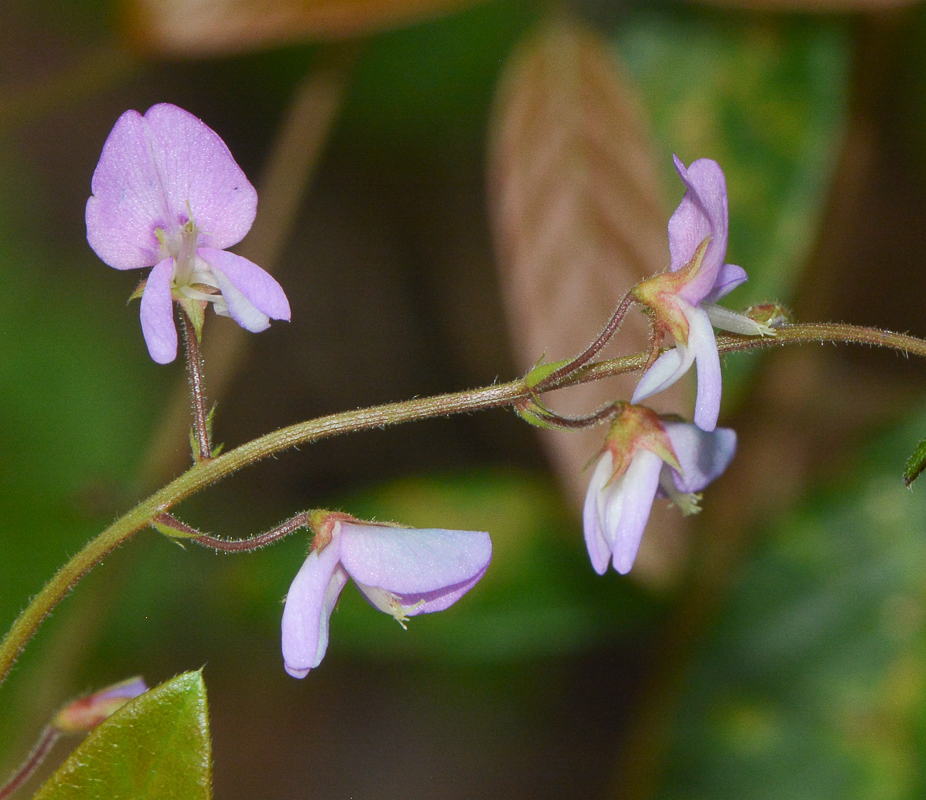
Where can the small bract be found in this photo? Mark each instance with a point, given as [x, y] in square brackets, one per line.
[168, 194]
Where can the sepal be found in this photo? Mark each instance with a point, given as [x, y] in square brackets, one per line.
[162, 524]
[139, 291]
[541, 371]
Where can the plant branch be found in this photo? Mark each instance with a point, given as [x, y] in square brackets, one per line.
[281, 531]
[207, 472]
[617, 317]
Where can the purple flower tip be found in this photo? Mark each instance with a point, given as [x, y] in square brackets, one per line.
[401, 571]
[167, 194]
[684, 299]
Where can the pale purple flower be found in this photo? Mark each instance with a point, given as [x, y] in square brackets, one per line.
[168, 194]
[651, 456]
[400, 571]
[684, 299]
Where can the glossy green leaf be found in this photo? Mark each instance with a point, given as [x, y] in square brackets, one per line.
[156, 747]
[812, 683]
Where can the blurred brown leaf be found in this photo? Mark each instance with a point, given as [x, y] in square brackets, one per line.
[214, 27]
[578, 216]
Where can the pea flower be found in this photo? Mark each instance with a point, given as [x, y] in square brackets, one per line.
[683, 300]
[168, 194]
[647, 456]
[400, 571]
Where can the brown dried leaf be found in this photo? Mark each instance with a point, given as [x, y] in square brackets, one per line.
[215, 27]
[578, 216]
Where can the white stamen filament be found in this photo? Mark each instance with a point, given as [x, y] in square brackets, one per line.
[389, 603]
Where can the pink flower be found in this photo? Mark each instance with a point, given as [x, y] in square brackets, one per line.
[683, 300]
[168, 194]
[645, 456]
[400, 571]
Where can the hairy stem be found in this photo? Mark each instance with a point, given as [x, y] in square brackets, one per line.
[281, 531]
[206, 472]
[617, 317]
[33, 761]
[194, 368]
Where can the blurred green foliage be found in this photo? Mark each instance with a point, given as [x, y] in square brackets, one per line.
[767, 98]
[812, 681]
[810, 684]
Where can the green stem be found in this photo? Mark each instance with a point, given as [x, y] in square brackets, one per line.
[205, 473]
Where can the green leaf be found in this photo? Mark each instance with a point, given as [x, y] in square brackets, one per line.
[812, 682]
[915, 464]
[156, 747]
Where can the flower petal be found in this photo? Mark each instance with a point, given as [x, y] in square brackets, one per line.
[703, 455]
[432, 565]
[702, 213]
[703, 345]
[627, 518]
[728, 278]
[728, 320]
[599, 551]
[199, 175]
[252, 295]
[666, 370]
[157, 313]
[129, 201]
[309, 603]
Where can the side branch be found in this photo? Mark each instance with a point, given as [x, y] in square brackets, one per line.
[194, 365]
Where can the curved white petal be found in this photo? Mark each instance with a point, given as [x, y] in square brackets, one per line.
[728, 320]
[157, 313]
[627, 518]
[666, 370]
[253, 297]
[239, 307]
[703, 346]
[599, 551]
[309, 603]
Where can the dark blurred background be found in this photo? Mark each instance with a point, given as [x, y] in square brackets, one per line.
[772, 647]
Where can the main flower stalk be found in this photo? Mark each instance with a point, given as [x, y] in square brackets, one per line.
[205, 473]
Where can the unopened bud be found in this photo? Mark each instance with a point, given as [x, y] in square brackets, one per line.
[86, 713]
